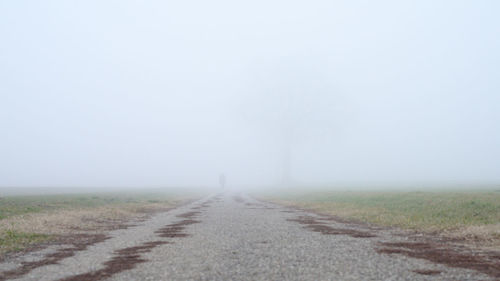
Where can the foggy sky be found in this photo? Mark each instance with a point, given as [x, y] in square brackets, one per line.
[166, 93]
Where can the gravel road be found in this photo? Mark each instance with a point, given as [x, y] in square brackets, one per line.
[235, 237]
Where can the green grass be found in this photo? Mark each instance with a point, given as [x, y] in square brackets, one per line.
[14, 241]
[18, 205]
[413, 210]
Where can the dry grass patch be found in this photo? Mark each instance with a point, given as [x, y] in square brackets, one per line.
[18, 232]
[33, 219]
[486, 236]
[65, 221]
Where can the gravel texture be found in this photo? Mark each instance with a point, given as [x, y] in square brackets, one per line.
[234, 237]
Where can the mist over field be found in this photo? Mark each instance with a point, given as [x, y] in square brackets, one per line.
[148, 94]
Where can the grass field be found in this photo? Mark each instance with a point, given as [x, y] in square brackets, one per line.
[464, 214]
[18, 205]
[26, 220]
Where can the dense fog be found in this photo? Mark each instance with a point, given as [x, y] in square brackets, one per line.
[311, 93]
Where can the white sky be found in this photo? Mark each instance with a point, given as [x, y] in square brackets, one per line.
[165, 93]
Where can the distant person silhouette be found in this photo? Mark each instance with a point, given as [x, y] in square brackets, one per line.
[222, 180]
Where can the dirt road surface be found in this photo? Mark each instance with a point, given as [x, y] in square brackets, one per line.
[234, 237]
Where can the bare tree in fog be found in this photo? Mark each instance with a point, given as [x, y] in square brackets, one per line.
[295, 104]
[288, 131]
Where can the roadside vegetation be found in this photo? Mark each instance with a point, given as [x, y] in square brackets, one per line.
[27, 220]
[470, 215]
